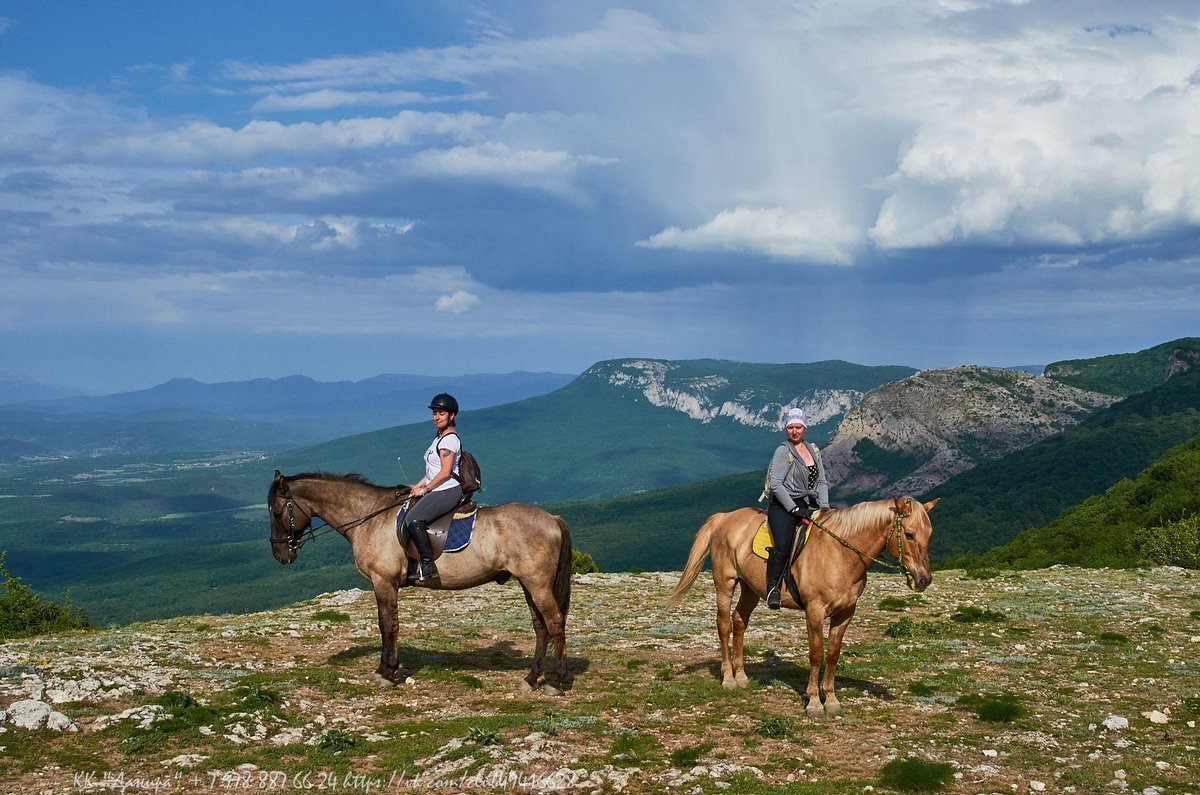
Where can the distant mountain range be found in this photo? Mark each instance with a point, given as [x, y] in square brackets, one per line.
[621, 427]
[184, 415]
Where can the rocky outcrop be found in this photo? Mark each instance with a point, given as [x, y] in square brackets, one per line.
[911, 435]
[708, 397]
[32, 715]
[1181, 360]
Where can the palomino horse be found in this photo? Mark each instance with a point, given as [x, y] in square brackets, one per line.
[831, 573]
[510, 539]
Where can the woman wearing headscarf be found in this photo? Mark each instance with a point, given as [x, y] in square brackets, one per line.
[797, 487]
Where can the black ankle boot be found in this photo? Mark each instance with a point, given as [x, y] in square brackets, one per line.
[775, 566]
[426, 570]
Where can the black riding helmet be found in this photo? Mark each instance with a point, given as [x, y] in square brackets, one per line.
[445, 402]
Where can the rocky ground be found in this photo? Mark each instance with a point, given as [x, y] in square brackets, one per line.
[1061, 680]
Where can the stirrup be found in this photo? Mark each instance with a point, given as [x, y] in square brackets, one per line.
[425, 570]
[774, 596]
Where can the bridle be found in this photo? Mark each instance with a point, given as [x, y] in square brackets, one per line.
[896, 530]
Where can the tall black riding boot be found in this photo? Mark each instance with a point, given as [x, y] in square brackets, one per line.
[419, 530]
[776, 562]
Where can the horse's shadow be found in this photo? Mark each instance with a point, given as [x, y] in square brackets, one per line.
[775, 670]
[500, 656]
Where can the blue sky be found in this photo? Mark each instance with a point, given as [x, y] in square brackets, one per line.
[229, 190]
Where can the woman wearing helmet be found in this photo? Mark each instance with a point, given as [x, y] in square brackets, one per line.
[440, 490]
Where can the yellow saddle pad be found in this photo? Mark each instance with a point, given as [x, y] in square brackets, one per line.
[762, 539]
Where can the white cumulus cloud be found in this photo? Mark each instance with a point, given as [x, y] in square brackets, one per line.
[457, 303]
[774, 231]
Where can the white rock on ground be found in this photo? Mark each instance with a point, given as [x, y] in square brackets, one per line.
[31, 714]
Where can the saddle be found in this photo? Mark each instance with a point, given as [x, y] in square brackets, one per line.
[440, 530]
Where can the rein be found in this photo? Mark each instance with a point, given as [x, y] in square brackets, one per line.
[897, 529]
[298, 540]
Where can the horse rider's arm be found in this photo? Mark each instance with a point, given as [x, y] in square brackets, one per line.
[775, 474]
[446, 459]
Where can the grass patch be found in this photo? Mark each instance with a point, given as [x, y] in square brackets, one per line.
[994, 709]
[904, 628]
[688, 757]
[663, 672]
[777, 728]
[893, 603]
[484, 736]
[634, 749]
[336, 741]
[331, 616]
[981, 574]
[921, 688]
[1113, 638]
[969, 614]
[552, 723]
[916, 775]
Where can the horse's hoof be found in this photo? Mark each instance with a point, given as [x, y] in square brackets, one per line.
[729, 684]
[551, 690]
[833, 710]
[380, 680]
[525, 687]
[815, 712]
[743, 681]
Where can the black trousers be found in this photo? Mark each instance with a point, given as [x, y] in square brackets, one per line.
[783, 525]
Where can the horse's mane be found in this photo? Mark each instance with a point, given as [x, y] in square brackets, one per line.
[853, 520]
[350, 477]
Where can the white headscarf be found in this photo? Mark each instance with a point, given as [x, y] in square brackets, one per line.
[794, 417]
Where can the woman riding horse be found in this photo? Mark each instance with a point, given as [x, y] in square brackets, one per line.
[797, 486]
[440, 490]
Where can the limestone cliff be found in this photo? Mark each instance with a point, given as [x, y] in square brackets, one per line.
[914, 434]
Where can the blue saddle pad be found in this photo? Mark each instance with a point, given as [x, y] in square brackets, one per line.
[462, 528]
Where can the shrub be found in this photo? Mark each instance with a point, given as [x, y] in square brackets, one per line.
[688, 757]
[903, 628]
[24, 613]
[1172, 544]
[583, 563]
[916, 775]
[780, 728]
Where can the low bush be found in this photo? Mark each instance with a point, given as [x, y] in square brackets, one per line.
[24, 613]
[916, 775]
[1171, 544]
[583, 563]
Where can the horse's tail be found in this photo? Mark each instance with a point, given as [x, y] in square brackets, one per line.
[700, 549]
[562, 575]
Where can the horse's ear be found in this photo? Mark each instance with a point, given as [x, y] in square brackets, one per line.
[278, 476]
[898, 504]
[929, 506]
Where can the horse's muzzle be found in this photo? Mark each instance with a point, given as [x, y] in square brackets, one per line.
[920, 580]
[283, 552]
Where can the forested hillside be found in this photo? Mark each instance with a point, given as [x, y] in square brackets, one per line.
[1127, 374]
[1152, 518]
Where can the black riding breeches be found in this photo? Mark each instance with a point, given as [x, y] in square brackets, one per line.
[433, 505]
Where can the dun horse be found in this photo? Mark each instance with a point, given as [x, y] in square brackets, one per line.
[831, 574]
[511, 539]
